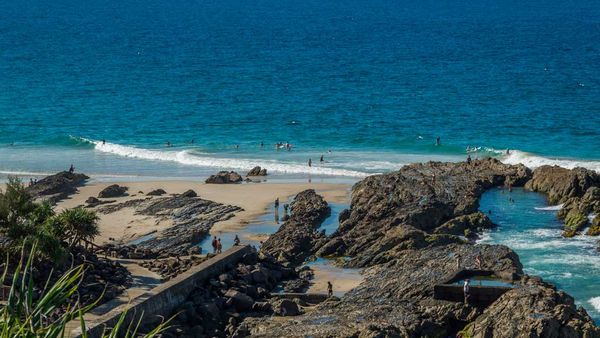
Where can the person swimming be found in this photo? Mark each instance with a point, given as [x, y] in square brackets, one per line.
[321, 160]
[310, 162]
[438, 141]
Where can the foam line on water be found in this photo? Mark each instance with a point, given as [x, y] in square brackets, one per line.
[187, 158]
[551, 208]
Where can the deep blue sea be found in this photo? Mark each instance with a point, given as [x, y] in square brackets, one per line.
[373, 82]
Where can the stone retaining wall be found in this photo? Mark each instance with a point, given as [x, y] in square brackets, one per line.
[165, 298]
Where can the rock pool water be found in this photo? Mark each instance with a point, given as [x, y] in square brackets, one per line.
[529, 226]
[343, 279]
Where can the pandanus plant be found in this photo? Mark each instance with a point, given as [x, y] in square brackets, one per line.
[30, 313]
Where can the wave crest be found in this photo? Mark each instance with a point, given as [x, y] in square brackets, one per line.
[185, 157]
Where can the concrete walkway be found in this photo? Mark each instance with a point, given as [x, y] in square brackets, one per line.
[144, 280]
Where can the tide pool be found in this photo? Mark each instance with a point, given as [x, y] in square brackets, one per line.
[530, 227]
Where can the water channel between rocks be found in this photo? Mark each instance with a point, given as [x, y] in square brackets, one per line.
[529, 226]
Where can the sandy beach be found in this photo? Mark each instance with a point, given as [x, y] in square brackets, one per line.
[254, 198]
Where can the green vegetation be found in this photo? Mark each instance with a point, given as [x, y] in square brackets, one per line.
[27, 313]
[24, 221]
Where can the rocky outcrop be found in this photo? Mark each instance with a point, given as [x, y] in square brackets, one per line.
[112, 191]
[577, 189]
[257, 171]
[419, 206]
[224, 177]
[298, 237]
[533, 310]
[397, 298]
[561, 184]
[57, 187]
[192, 219]
[217, 307]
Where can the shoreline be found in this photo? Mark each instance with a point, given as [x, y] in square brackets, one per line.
[254, 198]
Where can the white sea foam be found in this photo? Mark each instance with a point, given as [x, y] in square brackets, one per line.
[534, 161]
[591, 217]
[194, 159]
[550, 208]
[595, 302]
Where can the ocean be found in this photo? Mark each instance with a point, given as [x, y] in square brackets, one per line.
[369, 85]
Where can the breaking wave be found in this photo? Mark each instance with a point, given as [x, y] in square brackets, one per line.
[534, 161]
[186, 157]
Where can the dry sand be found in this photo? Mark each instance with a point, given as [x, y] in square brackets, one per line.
[254, 198]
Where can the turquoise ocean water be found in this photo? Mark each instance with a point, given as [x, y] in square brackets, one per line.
[529, 226]
[375, 82]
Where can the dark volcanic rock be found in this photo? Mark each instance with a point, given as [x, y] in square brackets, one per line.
[298, 237]
[94, 202]
[156, 192]
[578, 189]
[189, 193]
[113, 190]
[192, 218]
[560, 184]
[57, 187]
[403, 210]
[397, 296]
[533, 310]
[257, 171]
[224, 177]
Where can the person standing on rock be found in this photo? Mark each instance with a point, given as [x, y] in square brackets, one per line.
[329, 289]
[71, 168]
[219, 246]
[467, 290]
[469, 159]
[236, 241]
[215, 244]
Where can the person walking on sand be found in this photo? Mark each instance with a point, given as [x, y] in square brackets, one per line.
[236, 241]
[329, 289]
[215, 244]
[467, 290]
[310, 162]
[219, 246]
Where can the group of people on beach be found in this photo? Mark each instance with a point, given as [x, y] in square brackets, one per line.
[218, 246]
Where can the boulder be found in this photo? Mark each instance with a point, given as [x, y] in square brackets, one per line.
[224, 177]
[257, 171]
[113, 190]
[156, 192]
[241, 301]
[286, 307]
[189, 193]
